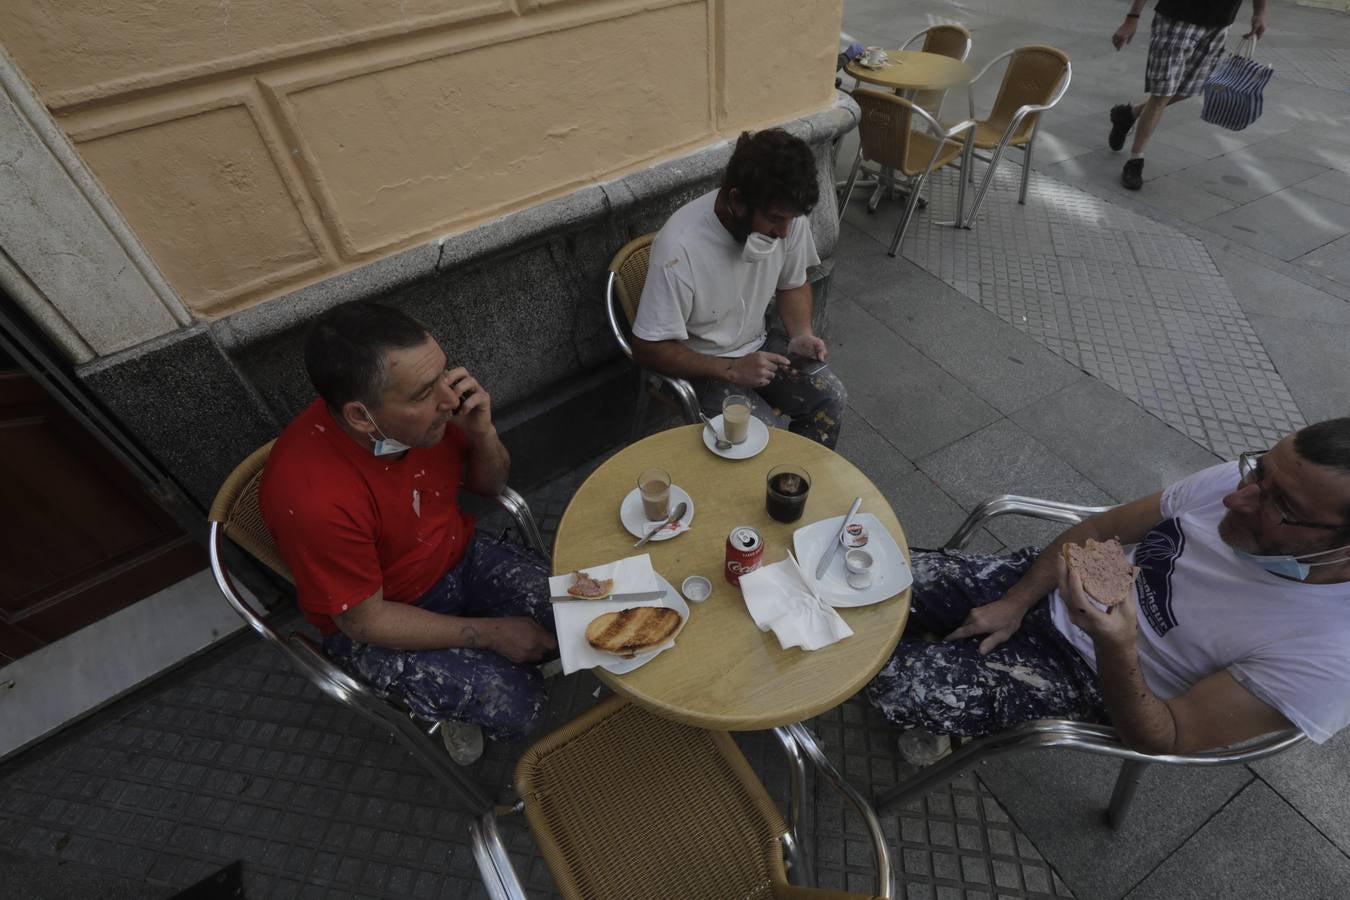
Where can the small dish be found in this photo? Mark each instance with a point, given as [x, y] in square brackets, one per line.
[635, 520]
[696, 588]
[859, 566]
[755, 441]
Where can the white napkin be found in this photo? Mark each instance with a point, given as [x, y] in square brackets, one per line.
[780, 597]
[633, 575]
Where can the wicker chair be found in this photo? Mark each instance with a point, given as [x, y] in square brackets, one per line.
[950, 40]
[625, 804]
[1035, 81]
[235, 515]
[888, 137]
[623, 292]
[1100, 740]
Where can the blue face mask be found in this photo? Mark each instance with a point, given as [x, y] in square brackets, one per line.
[1285, 566]
[383, 446]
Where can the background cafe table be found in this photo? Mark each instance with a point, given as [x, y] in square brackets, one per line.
[724, 673]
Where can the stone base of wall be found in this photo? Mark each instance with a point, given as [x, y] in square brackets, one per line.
[519, 301]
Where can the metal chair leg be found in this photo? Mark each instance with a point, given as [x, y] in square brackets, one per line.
[848, 187]
[494, 866]
[1127, 782]
[984, 185]
[640, 408]
[909, 214]
[1026, 164]
[799, 856]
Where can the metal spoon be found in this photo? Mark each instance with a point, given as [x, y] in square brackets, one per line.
[675, 516]
[722, 443]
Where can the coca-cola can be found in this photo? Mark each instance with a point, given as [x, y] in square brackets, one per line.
[745, 551]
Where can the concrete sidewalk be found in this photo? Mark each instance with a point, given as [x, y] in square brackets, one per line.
[1091, 346]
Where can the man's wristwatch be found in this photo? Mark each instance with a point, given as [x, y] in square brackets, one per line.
[1132, 15]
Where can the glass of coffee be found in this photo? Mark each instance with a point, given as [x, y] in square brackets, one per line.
[736, 418]
[787, 489]
[654, 486]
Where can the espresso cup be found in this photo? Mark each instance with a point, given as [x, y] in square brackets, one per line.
[654, 486]
[736, 418]
[874, 56]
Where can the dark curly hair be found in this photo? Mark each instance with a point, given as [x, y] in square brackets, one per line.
[347, 348]
[772, 168]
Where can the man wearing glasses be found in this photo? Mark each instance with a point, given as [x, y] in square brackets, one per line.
[1240, 623]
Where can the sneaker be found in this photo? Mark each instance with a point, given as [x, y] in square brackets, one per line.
[1122, 120]
[1132, 176]
[463, 741]
[923, 748]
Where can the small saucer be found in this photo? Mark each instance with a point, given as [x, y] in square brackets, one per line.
[756, 439]
[637, 523]
[696, 588]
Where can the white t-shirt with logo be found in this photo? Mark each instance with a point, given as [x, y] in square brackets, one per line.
[700, 292]
[1202, 609]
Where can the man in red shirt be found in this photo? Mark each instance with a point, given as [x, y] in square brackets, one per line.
[360, 493]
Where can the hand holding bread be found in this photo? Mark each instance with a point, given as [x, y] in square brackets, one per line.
[1093, 575]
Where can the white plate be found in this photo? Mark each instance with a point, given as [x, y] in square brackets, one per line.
[756, 439]
[672, 600]
[890, 574]
[637, 523]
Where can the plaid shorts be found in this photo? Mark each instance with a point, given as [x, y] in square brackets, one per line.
[1180, 56]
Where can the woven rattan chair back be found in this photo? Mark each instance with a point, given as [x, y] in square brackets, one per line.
[236, 509]
[1032, 75]
[948, 39]
[884, 127]
[630, 267]
[623, 804]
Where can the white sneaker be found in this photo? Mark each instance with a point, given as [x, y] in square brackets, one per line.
[923, 748]
[463, 741]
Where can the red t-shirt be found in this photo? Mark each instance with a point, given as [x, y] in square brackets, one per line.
[349, 523]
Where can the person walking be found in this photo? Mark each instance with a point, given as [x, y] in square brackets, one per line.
[1186, 42]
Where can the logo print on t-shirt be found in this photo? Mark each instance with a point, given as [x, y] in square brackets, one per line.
[1156, 556]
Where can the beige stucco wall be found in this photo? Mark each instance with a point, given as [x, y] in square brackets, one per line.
[258, 146]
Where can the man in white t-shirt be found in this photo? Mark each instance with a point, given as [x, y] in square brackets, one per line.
[1240, 624]
[715, 266]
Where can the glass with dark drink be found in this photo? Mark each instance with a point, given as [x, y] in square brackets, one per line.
[787, 489]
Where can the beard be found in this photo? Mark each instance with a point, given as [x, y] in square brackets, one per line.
[740, 227]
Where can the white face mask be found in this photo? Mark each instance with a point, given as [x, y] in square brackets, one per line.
[1291, 566]
[758, 247]
[383, 446]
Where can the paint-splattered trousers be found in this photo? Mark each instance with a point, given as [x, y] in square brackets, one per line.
[495, 578]
[948, 687]
[812, 404]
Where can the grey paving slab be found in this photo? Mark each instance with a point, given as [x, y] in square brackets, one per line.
[1332, 184]
[1264, 292]
[1314, 362]
[1303, 776]
[1004, 367]
[1060, 797]
[1101, 168]
[929, 516]
[866, 448]
[904, 395]
[1177, 194]
[1286, 224]
[1284, 856]
[1004, 459]
[1124, 450]
[1330, 260]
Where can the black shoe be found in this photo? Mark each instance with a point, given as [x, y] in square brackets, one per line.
[1132, 176]
[1122, 120]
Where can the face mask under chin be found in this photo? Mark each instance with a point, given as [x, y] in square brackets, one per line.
[381, 444]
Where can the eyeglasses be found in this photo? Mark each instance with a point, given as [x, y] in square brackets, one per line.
[1252, 472]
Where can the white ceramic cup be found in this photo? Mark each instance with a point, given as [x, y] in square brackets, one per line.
[874, 56]
[859, 566]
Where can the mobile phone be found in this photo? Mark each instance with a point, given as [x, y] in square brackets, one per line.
[805, 364]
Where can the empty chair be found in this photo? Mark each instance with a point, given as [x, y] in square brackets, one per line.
[888, 137]
[623, 292]
[948, 39]
[1035, 80]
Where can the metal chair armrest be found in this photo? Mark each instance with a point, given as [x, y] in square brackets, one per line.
[614, 326]
[684, 392]
[494, 865]
[1014, 505]
[513, 503]
[989, 65]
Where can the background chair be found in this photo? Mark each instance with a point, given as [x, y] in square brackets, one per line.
[887, 137]
[1035, 80]
[625, 804]
[623, 292]
[947, 39]
[1100, 740]
[235, 515]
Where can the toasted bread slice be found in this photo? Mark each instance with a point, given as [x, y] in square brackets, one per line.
[1102, 566]
[631, 631]
[588, 588]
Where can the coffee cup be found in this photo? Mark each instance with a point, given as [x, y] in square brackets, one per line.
[736, 418]
[858, 563]
[654, 486]
[874, 56]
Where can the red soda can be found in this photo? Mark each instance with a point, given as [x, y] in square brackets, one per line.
[745, 551]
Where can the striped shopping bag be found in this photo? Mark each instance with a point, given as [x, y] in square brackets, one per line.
[1233, 89]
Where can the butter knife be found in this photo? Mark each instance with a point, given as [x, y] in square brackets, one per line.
[831, 550]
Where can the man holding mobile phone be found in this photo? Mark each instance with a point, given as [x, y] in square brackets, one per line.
[714, 268]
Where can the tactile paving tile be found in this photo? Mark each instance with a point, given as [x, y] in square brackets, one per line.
[1131, 301]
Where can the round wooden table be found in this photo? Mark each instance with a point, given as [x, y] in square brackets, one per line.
[914, 70]
[723, 672]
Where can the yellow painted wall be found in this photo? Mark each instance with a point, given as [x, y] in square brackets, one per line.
[257, 146]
